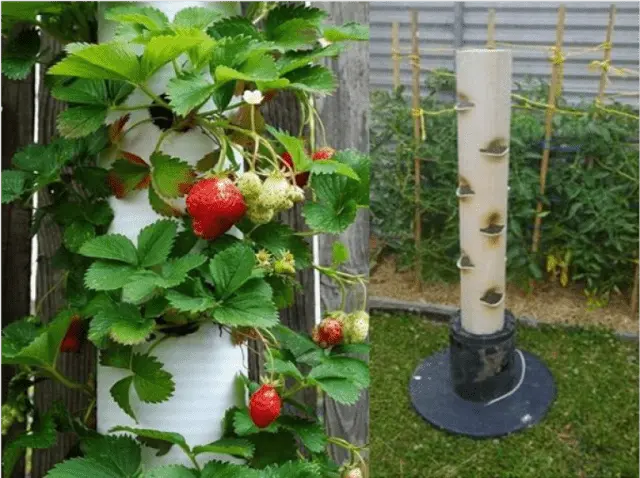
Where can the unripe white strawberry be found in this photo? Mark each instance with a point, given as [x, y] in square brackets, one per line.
[275, 193]
[260, 215]
[339, 315]
[296, 194]
[285, 265]
[352, 473]
[357, 327]
[249, 185]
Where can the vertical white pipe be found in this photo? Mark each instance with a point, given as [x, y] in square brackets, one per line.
[204, 365]
[484, 86]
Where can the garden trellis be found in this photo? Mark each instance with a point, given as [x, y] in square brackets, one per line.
[557, 57]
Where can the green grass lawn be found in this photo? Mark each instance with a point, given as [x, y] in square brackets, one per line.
[591, 430]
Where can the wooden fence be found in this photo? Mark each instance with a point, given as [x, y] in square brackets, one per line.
[346, 117]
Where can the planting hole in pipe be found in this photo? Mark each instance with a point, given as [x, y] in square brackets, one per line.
[464, 190]
[493, 297]
[464, 262]
[463, 104]
[494, 225]
[164, 118]
[496, 148]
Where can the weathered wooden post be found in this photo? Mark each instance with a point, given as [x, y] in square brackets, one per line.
[482, 385]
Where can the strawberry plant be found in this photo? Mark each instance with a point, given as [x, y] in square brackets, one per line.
[209, 249]
[590, 205]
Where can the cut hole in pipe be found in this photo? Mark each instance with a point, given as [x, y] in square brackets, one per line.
[164, 118]
[494, 224]
[463, 104]
[496, 148]
[493, 297]
[464, 190]
[464, 262]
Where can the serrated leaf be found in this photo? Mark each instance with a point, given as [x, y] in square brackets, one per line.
[13, 185]
[81, 121]
[231, 268]
[107, 275]
[18, 334]
[82, 468]
[120, 392]
[175, 271]
[152, 383]
[150, 18]
[361, 164]
[120, 453]
[353, 369]
[196, 17]
[314, 79]
[285, 12]
[334, 208]
[188, 92]
[92, 92]
[185, 303]
[76, 234]
[297, 343]
[311, 434]
[171, 177]
[171, 471]
[105, 61]
[295, 147]
[286, 368]
[20, 54]
[155, 242]
[233, 27]
[277, 238]
[258, 67]
[227, 446]
[128, 172]
[340, 389]
[339, 254]
[161, 206]
[329, 166]
[112, 246]
[293, 60]
[243, 425]
[141, 287]
[169, 437]
[251, 305]
[351, 31]
[217, 469]
[116, 355]
[162, 49]
[122, 323]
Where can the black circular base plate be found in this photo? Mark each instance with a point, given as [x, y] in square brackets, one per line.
[434, 399]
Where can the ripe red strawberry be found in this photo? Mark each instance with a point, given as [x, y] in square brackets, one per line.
[303, 178]
[265, 406]
[215, 204]
[329, 332]
[72, 340]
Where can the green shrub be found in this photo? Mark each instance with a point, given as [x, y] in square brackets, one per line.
[590, 223]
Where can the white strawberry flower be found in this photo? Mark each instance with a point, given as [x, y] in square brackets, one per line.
[252, 97]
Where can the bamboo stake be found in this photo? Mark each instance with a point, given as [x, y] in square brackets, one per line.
[395, 54]
[634, 294]
[607, 53]
[491, 29]
[556, 80]
[415, 64]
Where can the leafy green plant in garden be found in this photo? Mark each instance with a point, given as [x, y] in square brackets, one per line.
[183, 271]
[590, 205]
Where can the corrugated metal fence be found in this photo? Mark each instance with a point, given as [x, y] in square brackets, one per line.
[464, 24]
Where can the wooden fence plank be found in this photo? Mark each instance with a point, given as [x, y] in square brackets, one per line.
[18, 110]
[346, 119]
[79, 366]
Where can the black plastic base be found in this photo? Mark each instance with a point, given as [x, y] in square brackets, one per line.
[434, 398]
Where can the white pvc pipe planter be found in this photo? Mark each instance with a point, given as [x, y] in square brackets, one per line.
[204, 365]
[484, 115]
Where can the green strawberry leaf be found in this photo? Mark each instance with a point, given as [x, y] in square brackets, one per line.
[122, 323]
[196, 17]
[296, 343]
[311, 434]
[293, 60]
[185, 303]
[111, 246]
[81, 121]
[162, 207]
[17, 335]
[171, 177]
[20, 54]
[234, 27]
[188, 92]
[351, 31]
[295, 147]
[288, 369]
[277, 238]
[171, 471]
[243, 425]
[82, 467]
[313, 79]
[120, 453]
[361, 164]
[334, 208]
[120, 392]
[76, 234]
[162, 49]
[141, 287]
[152, 383]
[128, 172]
[232, 268]
[251, 305]
[329, 166]
[155, 242]
[339, 254]
[227, 446]
[105, 61]
[14, 185]
[93, 92]
[168, 437]
[349, 368]
[175, 271]
[103, 275]
[148, 17]
[258, 67]
[341, 390]
[217, 469]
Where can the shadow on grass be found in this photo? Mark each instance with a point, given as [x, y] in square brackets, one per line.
[591, 430]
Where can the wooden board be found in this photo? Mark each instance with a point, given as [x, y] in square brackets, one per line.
[345, 115]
